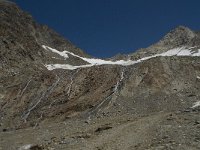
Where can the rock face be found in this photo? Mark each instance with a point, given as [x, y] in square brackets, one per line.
[32, 95]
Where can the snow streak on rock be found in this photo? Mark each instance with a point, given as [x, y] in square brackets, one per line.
[183, 51]
[43, 96]
[71, 83]
[25, 88]
[108, 99]
[119, 81]
[197, 104]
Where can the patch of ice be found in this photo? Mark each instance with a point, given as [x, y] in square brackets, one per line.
[182, 51]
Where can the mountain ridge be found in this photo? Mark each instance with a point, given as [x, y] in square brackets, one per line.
[145, 100]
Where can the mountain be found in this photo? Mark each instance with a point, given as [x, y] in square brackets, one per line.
[55, 96]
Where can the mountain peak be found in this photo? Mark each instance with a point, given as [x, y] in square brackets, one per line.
[181, 27]
[7, 2]
[182, 31]
[178, 37]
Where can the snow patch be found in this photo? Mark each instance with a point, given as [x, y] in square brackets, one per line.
[182, 51]
[196, 54]
[65, 66]
[26, 147]
[197, 104]
[171, 52]
[63, 54]
[198, 77]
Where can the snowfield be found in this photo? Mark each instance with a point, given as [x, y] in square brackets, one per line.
[182, 51]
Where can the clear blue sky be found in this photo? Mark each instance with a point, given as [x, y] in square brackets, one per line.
[104, 28]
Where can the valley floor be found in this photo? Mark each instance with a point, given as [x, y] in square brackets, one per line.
[159, 131]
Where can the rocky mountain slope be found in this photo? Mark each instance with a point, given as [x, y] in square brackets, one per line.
[54, 96]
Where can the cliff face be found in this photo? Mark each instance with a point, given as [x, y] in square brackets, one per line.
[46, 79]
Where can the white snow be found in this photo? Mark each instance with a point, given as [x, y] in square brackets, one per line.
[66, 66]
[171, 52]
[197, 104]
[26, 147]
[119, 81]
[182, 51]
[196, 54]
[63, 54]
[25, 88]
[198, 77]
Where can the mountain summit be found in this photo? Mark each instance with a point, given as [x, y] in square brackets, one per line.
[179, 36]
[55, 96]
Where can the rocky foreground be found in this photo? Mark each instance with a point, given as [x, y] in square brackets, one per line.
[55, 96]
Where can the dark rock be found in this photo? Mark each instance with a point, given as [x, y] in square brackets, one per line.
[5, 130]
[196, 122]
[103, 128]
